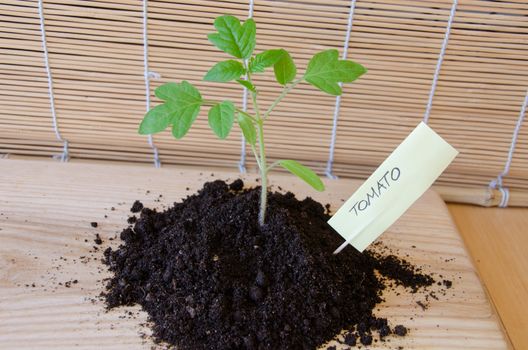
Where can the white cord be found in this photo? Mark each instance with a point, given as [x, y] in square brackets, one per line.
[505, 197]
[242, 162]
[330, 162]
[497, 182]
[64, 156]
[148, 75]
[439, 62]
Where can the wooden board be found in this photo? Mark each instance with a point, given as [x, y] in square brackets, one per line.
[497, 240]
[45, 214]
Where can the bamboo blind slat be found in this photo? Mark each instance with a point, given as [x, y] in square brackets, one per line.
[96, 58]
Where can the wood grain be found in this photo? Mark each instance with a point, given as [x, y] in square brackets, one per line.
[46, 210]
[497, 241]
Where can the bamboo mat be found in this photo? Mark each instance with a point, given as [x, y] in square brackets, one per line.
[45, 215]
[96, 60]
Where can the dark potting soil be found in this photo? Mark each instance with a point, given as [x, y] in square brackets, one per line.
[136, 207]
[211, 278]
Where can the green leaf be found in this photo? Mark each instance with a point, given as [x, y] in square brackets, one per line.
[156, 120]
[246, 84]
[183, 101]
[303, 173]
[248, 129]
[233, 38]
[221, 117]
[264, 60]
[325, 71]
[163, 92]
[284, 68]
[225, 71]
[181, 107]
[181, 93]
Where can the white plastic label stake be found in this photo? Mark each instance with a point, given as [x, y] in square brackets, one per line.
[397, 183]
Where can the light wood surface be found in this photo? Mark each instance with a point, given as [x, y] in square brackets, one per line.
[46, 210]
[497, 240]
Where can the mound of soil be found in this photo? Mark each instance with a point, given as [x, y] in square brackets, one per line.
[211, 278]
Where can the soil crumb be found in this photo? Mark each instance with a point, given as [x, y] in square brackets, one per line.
[136, 207]
[210, 277]
[400, 330]
[98, 239]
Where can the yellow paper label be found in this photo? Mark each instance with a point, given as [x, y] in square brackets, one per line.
[397, 183]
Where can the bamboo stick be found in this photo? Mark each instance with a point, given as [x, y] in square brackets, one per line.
[485, 197]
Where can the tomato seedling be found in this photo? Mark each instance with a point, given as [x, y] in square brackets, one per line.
[182, 101]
